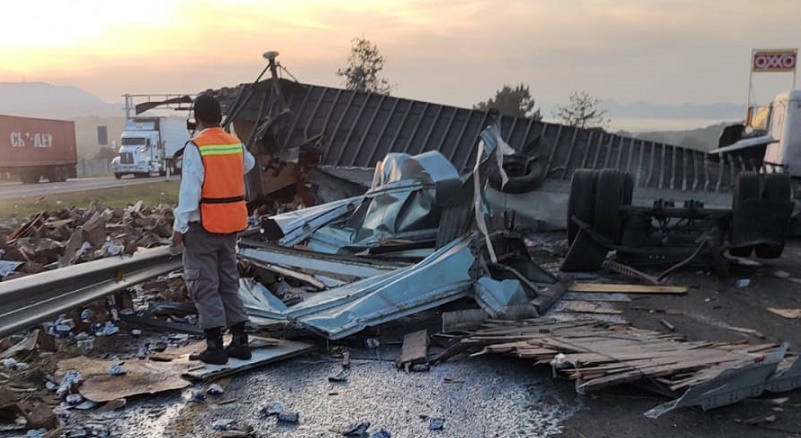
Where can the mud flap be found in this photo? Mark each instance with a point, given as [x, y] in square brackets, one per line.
[586, 254]
[759, 221]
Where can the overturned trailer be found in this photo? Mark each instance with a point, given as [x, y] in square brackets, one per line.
[319, 144]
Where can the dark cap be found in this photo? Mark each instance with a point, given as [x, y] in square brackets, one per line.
[207, 109]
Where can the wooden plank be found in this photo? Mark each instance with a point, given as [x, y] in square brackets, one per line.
[414, 349]
[626, 288]
[588, 307]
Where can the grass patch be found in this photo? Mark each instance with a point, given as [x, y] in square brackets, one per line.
[152, 194]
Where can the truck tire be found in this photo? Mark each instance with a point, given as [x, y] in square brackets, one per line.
[745, 187]
[56, 174]
[162, 173]
[777, 187]
[609, 196]
[523, 176]
[118, 175]
[30, 176]
[581, 201]
[62, 174]
[628, 188]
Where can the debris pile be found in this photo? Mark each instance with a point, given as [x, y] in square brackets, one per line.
[598, 355]
[51, 240]
[418, 244]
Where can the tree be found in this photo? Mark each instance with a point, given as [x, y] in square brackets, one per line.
[515, 102]
[364, 65]
[582, 112]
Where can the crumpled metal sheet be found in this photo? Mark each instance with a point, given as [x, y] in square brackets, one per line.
[402, 205]
[297, 226]
[429, 167]
[259, 301]
[501, 298]
[320, 264]
[440, 278]
[733, 385]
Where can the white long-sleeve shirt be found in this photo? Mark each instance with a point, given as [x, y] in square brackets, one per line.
[192, 175]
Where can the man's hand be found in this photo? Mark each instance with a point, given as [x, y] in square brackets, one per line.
[177, 238]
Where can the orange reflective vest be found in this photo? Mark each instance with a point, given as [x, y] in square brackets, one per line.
[222, 198]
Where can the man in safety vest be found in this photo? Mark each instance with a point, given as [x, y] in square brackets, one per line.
[211, 211]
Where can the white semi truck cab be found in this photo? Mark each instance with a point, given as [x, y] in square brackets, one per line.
[148, 145]
[774, 137]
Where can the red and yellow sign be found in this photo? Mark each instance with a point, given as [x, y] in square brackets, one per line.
[764, 61]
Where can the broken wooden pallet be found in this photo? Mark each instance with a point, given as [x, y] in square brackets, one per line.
[603, 354]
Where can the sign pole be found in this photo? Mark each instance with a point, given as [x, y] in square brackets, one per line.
[750, 80]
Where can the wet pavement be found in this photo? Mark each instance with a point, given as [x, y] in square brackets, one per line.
[490, 396]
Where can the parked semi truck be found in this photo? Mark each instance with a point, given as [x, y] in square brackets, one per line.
[32, 149]
[148, 145]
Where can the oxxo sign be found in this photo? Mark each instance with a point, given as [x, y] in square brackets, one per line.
[774, 60]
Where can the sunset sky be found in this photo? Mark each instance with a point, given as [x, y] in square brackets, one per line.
[447, 51]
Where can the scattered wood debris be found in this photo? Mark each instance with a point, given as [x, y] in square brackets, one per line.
[589, 307]
[627, 288]
[786, 313]
[414, 350]
[600, 354]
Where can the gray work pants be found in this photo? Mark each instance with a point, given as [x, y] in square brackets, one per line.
[212, 277]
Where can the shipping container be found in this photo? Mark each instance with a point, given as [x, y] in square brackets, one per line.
[31, 148]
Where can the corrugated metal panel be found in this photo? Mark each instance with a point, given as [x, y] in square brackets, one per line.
[359, 129]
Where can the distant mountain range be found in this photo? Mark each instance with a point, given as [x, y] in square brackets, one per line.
[645, 110]
[39, 99]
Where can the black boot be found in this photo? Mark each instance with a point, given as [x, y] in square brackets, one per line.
[214, 353]
[239, 348]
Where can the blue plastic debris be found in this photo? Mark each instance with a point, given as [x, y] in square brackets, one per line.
[382, 433]
[116, 369]
[222, 425]
[357, 429]
[743, 282]
[86, 405]
[198, 397]
[288, 417]
[215, 389]
[436, 423]
[70, 381]
[74, 399]
[107, 330]
[270, 411]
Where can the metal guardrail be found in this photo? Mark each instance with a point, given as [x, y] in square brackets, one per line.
[27, 301]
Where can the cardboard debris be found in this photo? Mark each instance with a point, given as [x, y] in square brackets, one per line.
[69, 236]
[27, 344]
[141, 377]
[37, 415]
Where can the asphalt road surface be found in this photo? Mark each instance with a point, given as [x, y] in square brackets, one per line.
[19, 190]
